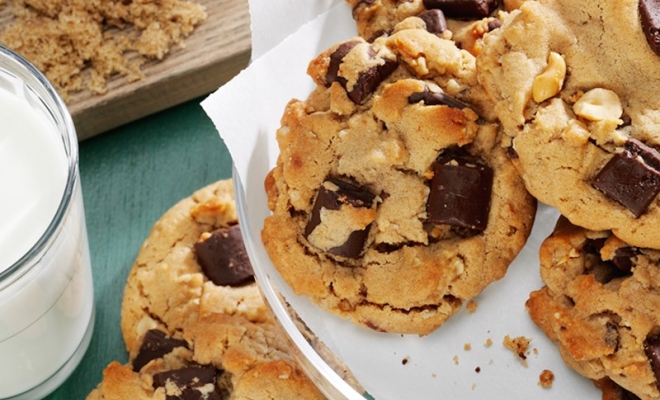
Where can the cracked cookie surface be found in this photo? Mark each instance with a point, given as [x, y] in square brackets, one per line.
[393, 200]
[600, 306]
[574, 89]
[192, 283]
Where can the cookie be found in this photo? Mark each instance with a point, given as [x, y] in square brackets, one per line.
[218, 357]
[600, 306]
[190, 301]
[465, 22]
[393, 200]
[167, 287]
[574, 88]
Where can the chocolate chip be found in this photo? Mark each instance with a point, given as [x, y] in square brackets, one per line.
[189, 383]
[155, 345]
[223, 258]
[332, 195]
[467, 9]
[631, 177]
[652, 350]
[336, 59]
[605, 271]
[436, 98]
[649, 13]
[435, 21]
[460, 193]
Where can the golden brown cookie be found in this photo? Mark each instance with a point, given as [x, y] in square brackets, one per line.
[393, 200]
[217, 357]
[600, 305]
[191, 305]
[575, 87]
[463, 21]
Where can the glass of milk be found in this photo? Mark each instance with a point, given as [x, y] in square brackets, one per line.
[46, 292]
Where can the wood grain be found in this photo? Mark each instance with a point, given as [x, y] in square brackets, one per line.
[214, 53]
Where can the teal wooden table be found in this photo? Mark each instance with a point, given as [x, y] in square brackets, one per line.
[130, 177]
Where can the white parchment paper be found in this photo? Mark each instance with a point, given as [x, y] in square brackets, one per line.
[454, 362]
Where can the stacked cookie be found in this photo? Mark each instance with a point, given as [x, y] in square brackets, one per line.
[575, 91]
[407, 181]
[393, 198]
[193, 319]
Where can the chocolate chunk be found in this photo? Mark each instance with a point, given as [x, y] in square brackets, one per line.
[333, 197]
[652, 350]
[623, 258]
[336, 59]
[631, 177]
[223, 258]
[494, 24]
[650, 155]
[460, 193]
[377, 34]
[435, 21]
[369, 80]
[190, 383]
[155, 345]
[512, 153]
[436, 98]
[465, 9]
[649, 13]
[365, 3]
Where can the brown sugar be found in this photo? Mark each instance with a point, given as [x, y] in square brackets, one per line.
[80, 44]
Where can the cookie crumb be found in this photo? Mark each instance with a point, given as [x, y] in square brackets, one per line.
[471, 306]
[546, 378]
[489, 342]
[455, 360]
[519, 345]
[467, 347]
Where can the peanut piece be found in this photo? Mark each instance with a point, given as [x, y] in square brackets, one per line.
[551, 80]
[598, 105]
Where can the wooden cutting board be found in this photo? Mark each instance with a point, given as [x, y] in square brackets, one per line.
[214, 53]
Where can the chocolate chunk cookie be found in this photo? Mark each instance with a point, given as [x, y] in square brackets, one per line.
[393, 200]
[576, 91]
[182, 271]
[218, 357]
[463, 21]
[600, 305]
[193, 318]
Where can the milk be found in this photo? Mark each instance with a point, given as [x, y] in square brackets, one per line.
[46, 293]
[33, 172]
